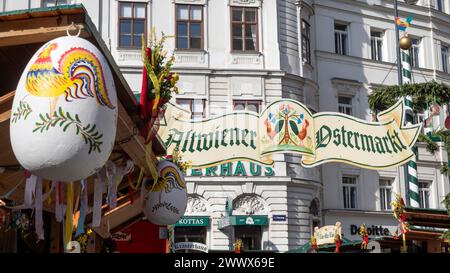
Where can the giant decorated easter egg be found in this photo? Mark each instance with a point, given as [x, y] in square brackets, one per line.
[167, 202]
[64, 115]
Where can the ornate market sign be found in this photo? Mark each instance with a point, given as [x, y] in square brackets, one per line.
[190, 246]
[287, 126]
[327, 234]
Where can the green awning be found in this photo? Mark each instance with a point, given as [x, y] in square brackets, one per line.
[193, 221]
[243, 220]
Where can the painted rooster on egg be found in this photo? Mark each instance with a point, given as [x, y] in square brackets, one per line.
[78, 76]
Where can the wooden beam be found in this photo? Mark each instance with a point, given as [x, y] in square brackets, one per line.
[38, 35]
[118, 216]
[130, 141]
[6, 101]
[4, 116]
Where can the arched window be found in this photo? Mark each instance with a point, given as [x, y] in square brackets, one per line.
[314, 211]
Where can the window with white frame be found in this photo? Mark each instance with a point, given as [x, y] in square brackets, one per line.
[189, 27]
[53, 3]
[376, 41]
[195, 106]
[385, 194]
[349, 190]
[132, 24]
[414, 52]
[345, 105]
[424, 194]
[445, 58]
[248, 105]
[244, 29]
[341, 38]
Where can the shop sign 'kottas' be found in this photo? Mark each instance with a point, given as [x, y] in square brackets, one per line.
[287, 126]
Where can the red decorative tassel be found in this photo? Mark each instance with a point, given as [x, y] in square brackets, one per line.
[338, 243]
[59, 193]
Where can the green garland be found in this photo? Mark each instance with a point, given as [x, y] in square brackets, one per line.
[424, 94]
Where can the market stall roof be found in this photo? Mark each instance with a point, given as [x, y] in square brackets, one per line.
[324, 248]
[427, 217]
[22, 32]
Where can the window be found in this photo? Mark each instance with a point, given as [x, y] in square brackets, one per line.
[445, 58]
[340, 39]
[424, 193]
[190, 234]
[349, 191]
[195, 106]
[251, 236]
[244, 29]
[376, 40]
[414, 53]
[249, 105]
[52, 3]
[440, 5]
[345, 105]
[132, 24]
[189, 27]
[306, 41]
[385, 194]
[314, 212]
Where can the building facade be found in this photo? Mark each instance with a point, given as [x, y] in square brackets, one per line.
[244, 54]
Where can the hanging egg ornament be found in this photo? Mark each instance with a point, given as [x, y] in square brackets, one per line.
[167, 202]
[64, 115]
[405, 42]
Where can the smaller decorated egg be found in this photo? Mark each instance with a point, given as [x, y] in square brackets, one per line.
[166, 204]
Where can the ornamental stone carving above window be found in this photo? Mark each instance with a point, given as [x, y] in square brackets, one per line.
[196, 205]
[246, 3]
[199, 2]
[250, 204]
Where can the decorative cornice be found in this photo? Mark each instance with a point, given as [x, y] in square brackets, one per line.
[194, 2]
[246, 3]
[346, 86]
[306, 5]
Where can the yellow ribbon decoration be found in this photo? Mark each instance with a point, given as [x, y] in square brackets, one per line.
[151, 165]
[47, 189]
[156, 87]
[139, 180]
[69, 210]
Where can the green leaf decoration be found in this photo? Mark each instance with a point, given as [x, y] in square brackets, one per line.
[66, 121]
[279, 126]
[22, 111]
[423, 94]
[294, 127]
